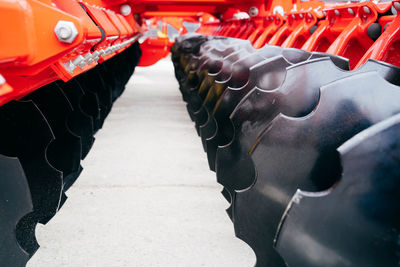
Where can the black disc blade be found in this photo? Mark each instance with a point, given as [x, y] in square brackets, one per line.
[300, 153]
[355, 223]
[15, 203]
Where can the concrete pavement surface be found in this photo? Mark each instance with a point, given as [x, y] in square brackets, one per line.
[146, 196]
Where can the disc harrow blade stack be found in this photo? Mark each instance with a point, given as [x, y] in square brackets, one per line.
[27, 137]
[370, 169]
[303, 141]
[48, 129]
[15, 203]
[296, 104]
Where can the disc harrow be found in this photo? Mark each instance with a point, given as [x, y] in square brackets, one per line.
[364, 202]
[296, 104]
[52, 106]
[297, 123]
[15, 203]
[50, 138]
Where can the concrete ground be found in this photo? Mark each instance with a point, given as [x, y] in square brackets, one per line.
[146, 196]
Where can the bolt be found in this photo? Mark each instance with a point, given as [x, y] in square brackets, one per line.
[69, 66]
[125, 10]
[309, 15]
[82, 64]
[65, 31]
[396, 5]
[366, 10]
[87, 57]
[253, 11]
[337, 13]
[351, 12]
[279, 10]
[78, 60]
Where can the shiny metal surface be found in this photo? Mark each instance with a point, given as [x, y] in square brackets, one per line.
[300, 153]
[355, 222]
[15, 203]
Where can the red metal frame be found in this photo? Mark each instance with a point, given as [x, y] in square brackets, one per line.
[32, 55]
[387, 47]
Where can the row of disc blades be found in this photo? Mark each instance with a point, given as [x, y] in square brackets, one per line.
[43, 139]
[307, 150]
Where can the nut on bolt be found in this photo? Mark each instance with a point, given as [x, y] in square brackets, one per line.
[66, 31]
[253, 11]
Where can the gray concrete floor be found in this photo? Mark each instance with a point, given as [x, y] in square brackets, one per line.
[146, 196]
